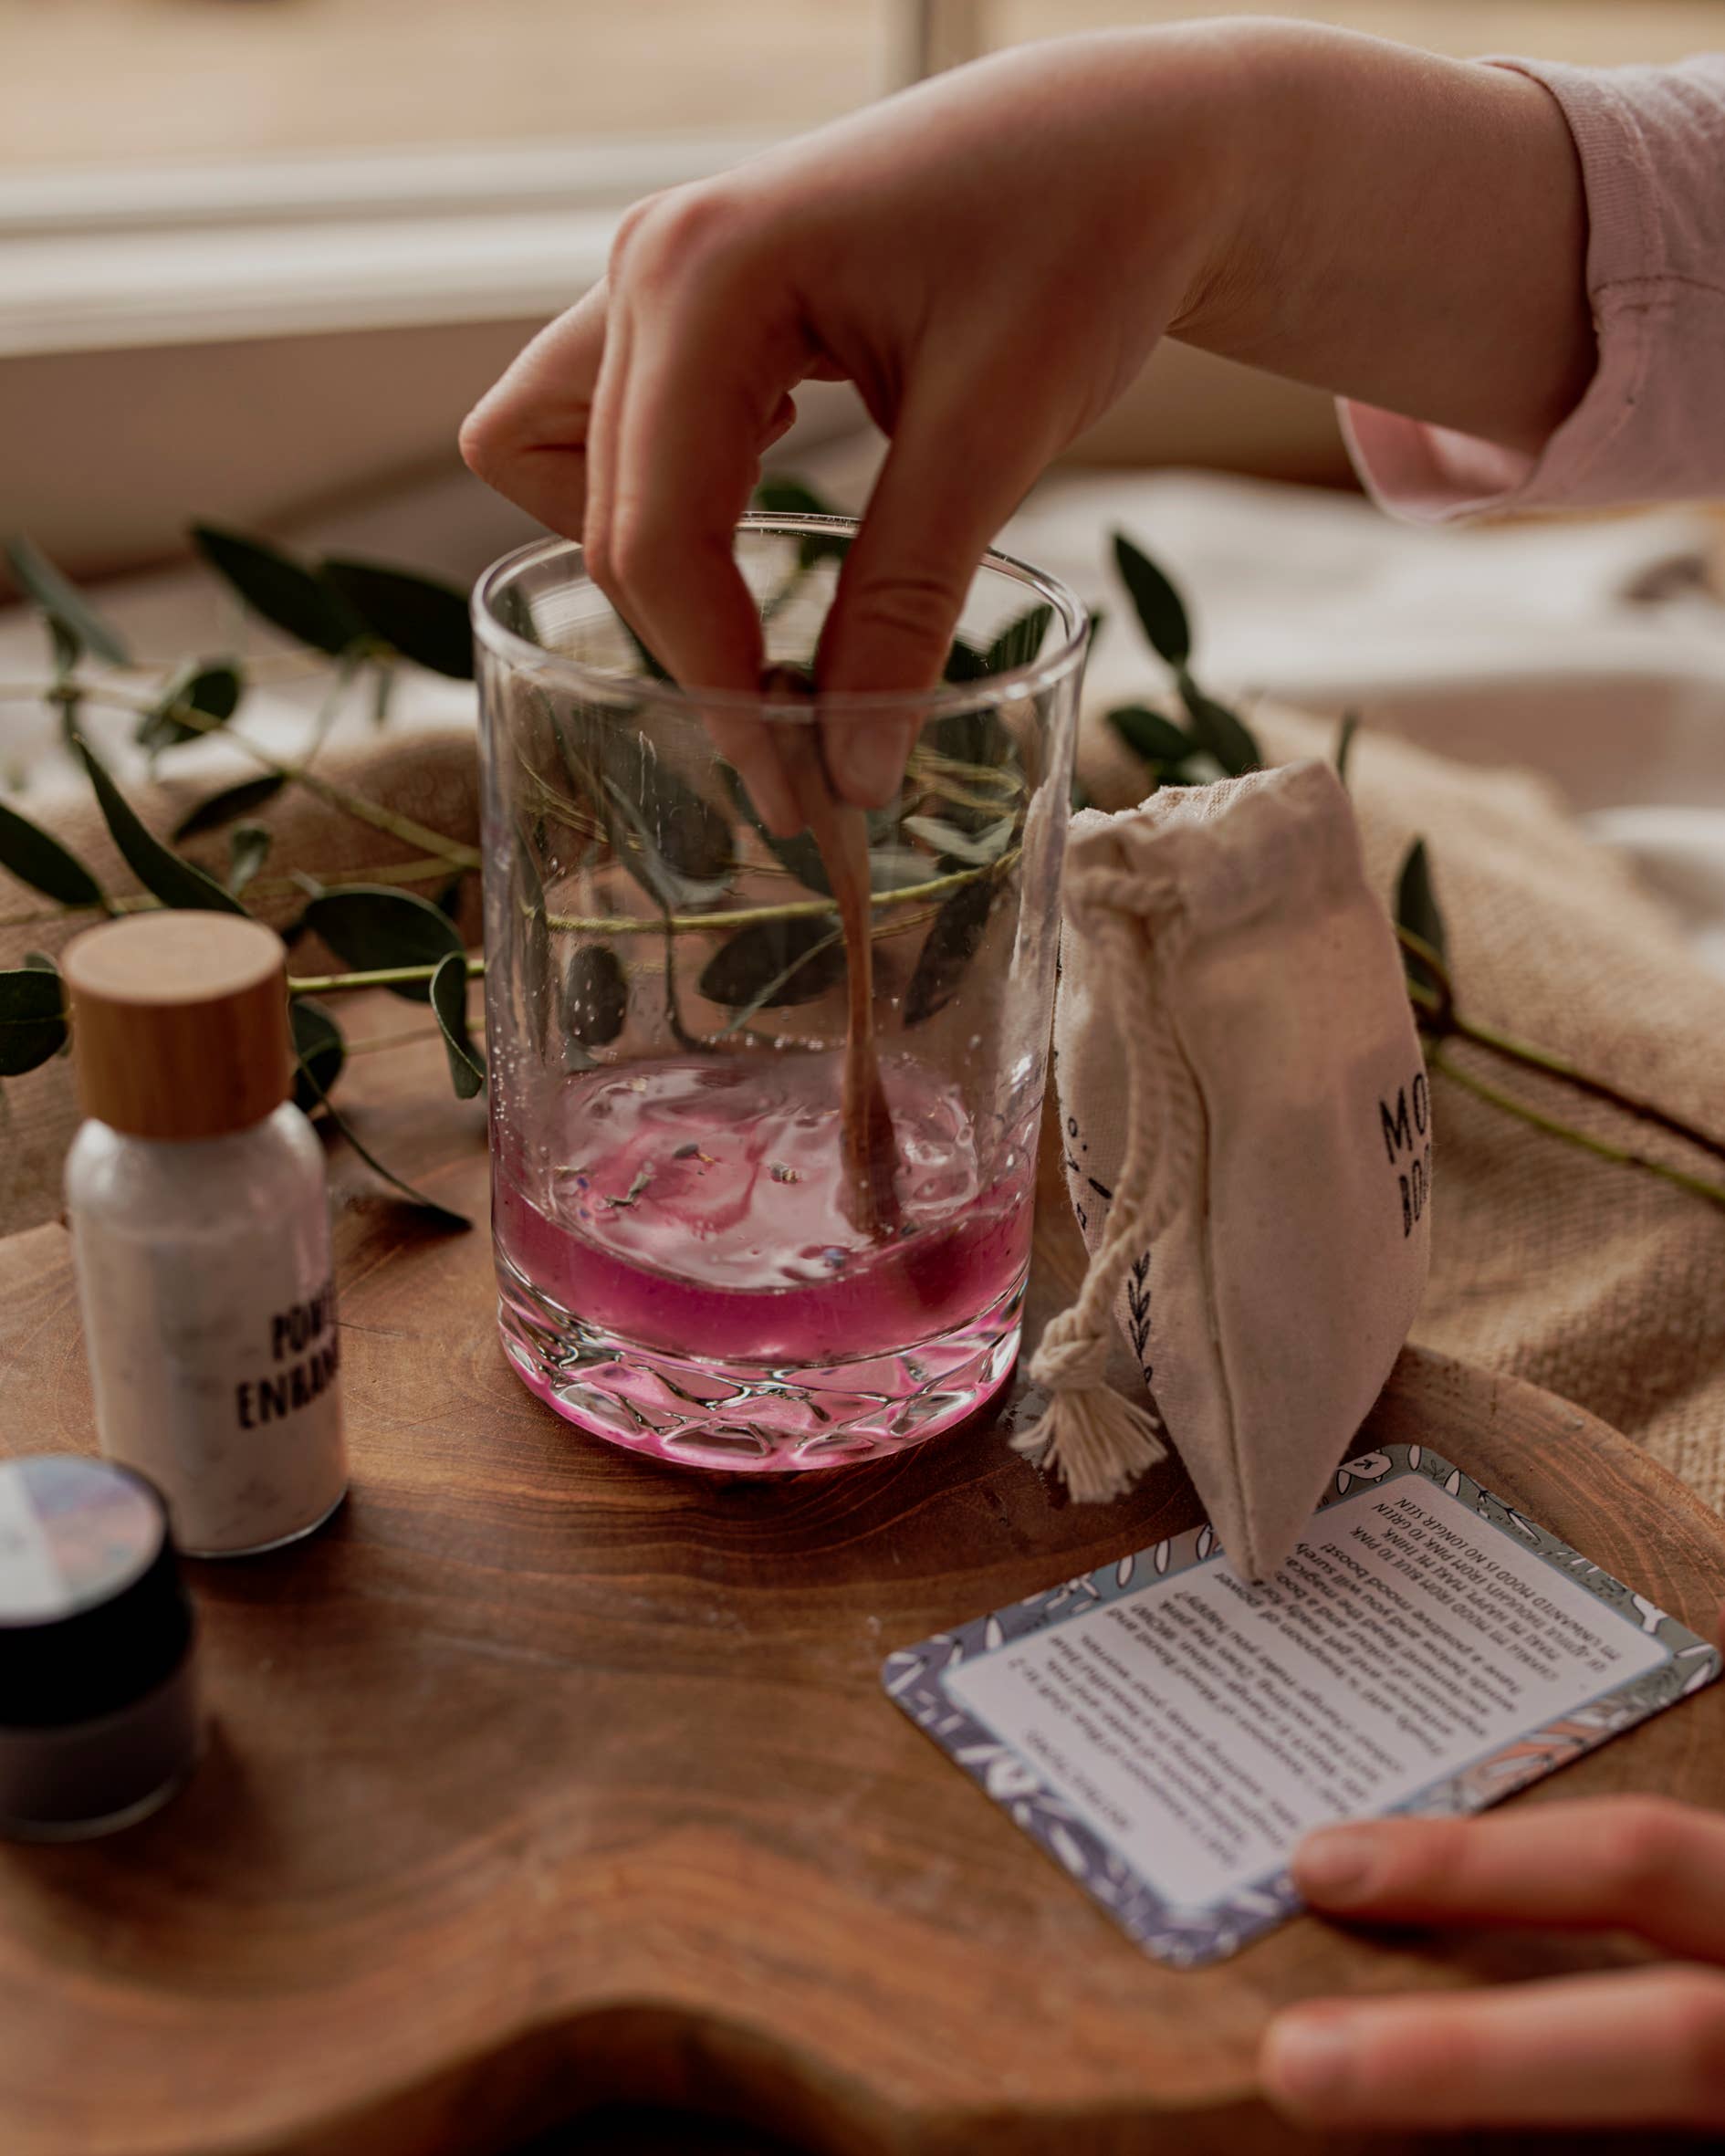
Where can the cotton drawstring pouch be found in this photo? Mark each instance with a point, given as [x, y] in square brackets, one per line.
[1246, 1126]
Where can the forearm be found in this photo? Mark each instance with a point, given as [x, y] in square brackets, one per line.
[1392, 226]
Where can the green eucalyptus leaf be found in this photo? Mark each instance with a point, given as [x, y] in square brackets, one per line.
[1417, 911]
[1151, 736]
[319, 1048]
[210, 692]
[373, 928]
[382, 692]
[1217, 732]
[247, 850]
[32, 1019]
[771, 964]
[162, 874]
[1344, 744]
[1019, 642]
[422, 619]
[979, 849]
[975, 737]
[595, 994]
[798, 853]
[682, 854]
[1158, 604]
[1098, 615]
[791, 497]
[291, 597]
[78, 626]
[964, 663]
[244, 800]
[954, 937]
[67, 650]
[449, 1002]
[38, 859]
[440, 1216]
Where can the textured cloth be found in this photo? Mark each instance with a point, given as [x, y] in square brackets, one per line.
[1598, 1281]
[1651, 426]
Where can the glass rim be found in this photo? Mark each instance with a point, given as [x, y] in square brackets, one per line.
[944, 697]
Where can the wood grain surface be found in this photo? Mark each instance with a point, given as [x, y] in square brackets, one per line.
[548, 1779]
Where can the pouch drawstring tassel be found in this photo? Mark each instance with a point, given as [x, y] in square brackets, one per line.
[1098, 1441]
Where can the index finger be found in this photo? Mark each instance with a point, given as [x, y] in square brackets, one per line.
[528, 435]
[1638, 1864]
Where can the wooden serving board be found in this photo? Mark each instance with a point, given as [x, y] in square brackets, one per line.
[547, 1778]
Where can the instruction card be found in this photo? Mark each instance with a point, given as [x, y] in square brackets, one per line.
[1168, 1732]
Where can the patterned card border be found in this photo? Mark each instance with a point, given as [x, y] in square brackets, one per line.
[914, 1678]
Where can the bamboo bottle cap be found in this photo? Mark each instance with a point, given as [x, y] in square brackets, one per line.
[179, 1023]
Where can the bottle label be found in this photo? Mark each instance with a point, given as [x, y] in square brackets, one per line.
[306, 1352]
[217, 1374]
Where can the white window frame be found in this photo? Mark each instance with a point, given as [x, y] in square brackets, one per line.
[114, 258]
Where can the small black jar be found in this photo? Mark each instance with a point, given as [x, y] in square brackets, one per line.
[98, 1715]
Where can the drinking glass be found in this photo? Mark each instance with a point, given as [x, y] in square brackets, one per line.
[681, 1265]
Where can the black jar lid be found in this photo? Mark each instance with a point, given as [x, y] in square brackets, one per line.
[93, 1614]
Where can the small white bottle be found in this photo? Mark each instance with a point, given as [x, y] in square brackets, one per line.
[200, 1222]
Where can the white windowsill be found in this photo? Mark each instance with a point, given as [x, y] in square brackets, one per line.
[103, 260]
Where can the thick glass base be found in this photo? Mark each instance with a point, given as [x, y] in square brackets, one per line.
[752, 1418]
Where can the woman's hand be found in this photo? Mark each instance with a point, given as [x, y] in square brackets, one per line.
[1644, 2045]
[991, 258]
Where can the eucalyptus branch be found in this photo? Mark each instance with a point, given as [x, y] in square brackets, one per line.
[1556, 1066]
[378, 977]
[451, 851]
[749, 917]
[1600, 1147]
[1441, 1018]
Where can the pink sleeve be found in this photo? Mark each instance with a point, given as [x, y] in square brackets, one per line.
[1652, 423]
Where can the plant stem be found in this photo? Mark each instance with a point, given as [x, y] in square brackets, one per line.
[748, 915]
[1557, 1066]
[1437, 1006]
[1695, 1184]
[381, 977]
[450, 851]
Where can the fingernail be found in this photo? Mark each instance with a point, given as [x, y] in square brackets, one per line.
[1333, 1865]
[866, 763]
[1308, 2059]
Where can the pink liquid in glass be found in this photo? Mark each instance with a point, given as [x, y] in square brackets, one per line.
[684, 1228]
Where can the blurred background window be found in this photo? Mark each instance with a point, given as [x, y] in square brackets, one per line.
[256, 256]
[113, 82]
[1590, 33]
[110, 82]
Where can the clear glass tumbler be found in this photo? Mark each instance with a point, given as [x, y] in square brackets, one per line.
[680, 1265]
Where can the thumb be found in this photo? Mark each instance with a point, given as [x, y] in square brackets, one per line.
[942, 494]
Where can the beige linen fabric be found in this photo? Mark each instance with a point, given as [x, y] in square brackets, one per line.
[1597, 1282]
[1266, 1275]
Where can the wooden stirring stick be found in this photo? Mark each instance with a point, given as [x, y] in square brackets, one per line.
[865, 1134]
